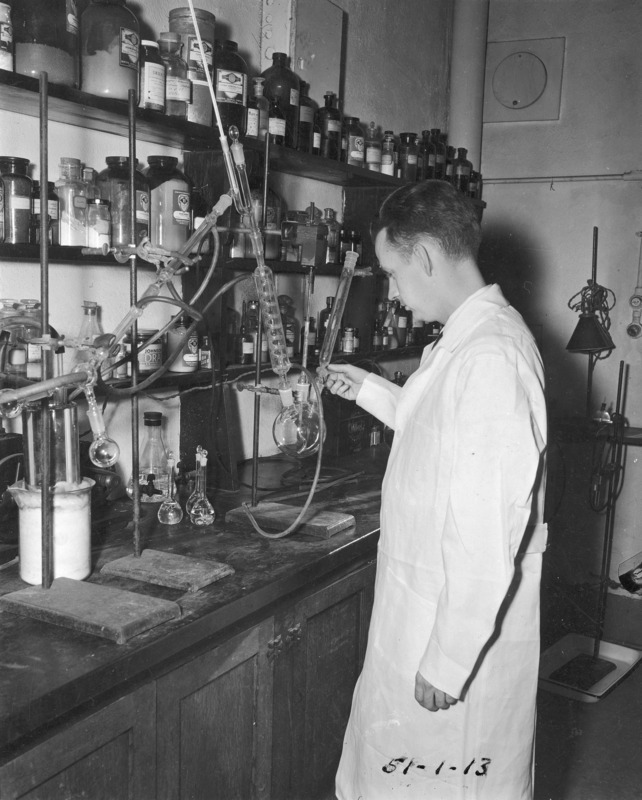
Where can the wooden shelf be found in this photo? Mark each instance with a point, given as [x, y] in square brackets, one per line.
[62, 254]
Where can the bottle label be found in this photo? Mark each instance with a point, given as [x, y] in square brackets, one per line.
[129, 48]
[71, 18]
[142, 206]
[333, 126]
[252, 122]
[19, 203]
[205, 356]
[152, 85]
[248, 348]
[411, 158]
[79, 201]
[194, 60]
[294, 97]
[6, 38]
[316, 140]
[402, 322]
[277, 126]
[373, 155]
[177, 89]
[306, 114]
[463, 170]
[231, 87]
[431, 160]
[180, 207]
[52, 207]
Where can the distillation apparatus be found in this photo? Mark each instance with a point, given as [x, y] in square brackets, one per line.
[298, 429]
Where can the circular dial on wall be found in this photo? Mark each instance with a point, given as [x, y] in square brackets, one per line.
[519, 80]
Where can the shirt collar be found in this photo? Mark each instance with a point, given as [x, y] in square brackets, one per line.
[476, 308]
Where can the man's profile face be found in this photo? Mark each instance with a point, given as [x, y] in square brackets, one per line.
[407, 279]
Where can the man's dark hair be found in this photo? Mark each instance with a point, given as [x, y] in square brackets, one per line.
[434, 209]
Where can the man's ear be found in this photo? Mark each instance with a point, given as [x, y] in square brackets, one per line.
[422, 254]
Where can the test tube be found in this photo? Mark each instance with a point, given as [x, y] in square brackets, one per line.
[334, 322]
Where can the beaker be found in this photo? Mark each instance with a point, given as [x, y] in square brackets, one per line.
[63, 420]
[71, 531]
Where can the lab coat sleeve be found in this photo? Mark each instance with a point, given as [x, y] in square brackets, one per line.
[378, 396]
[496, 459]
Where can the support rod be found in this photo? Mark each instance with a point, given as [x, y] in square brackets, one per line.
[133, 297]
[46, 510]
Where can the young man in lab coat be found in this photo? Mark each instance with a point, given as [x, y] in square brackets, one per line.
[445, 705]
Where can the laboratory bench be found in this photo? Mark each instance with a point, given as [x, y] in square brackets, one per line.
[246, 695]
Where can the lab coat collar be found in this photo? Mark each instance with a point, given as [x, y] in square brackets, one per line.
[477, 308]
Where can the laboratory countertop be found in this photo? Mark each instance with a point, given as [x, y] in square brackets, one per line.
[48, 671]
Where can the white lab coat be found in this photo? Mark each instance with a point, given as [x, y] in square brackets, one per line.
[458, 572]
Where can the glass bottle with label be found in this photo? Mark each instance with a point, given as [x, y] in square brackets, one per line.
[182, 352]
[283, 85]
[72, 199]
[180, 21]
[45, 37]
[429, 153]
[388, 153]
[230, 80]
[151, 93]
[352, 142]
[109, 49]
[333, 238]
[177, 85]
[89, 176]
[440, 154]
[307, 115]
[169, 208]
[153, 475]
[52, 214]
[277, 125]
[245, 354]
[16, 189]
[6, 38]
[330, 121]
[258, 112]
[373, 149]
[407, 166]
[450, 164]
[462, 169]
[113, 185]
[204, 352]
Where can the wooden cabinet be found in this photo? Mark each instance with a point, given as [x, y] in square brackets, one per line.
[109, 753]
[215, 720]
[322, 640]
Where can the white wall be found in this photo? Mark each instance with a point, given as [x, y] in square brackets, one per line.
[539, 235]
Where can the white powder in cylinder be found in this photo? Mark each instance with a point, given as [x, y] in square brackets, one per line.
[71, 532]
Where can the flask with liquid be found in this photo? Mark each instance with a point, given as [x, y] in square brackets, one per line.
[258, 112]
[283, 86]
[151, 92]
[330, 123]
[177, 85]
[200, 510]
[72, 199]
[230, 80]
[153, 474]
[109, 49]
[45, 37]
[169, 207]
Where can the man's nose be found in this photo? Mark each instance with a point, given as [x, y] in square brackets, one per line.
[393, 294]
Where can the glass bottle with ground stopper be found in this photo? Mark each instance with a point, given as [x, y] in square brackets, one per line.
[330, 122]
[170, 511]
[153, 475]
[283, 86]
[200, 510]
[258, 112]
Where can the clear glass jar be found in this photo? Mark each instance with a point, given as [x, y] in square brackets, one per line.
[169, 208]
[283, 85]
[388, 153]
[230, 79]
[53, 214]
[177, 86]
[98, 223]
[180, 21]
[72, 199]
[373, 149]
[330, 123]
[113, 185]
[151, 91]
[153, 475]
[109, 49]
[408, 151]
[6, 38]
[16, 190]
[45, 35]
